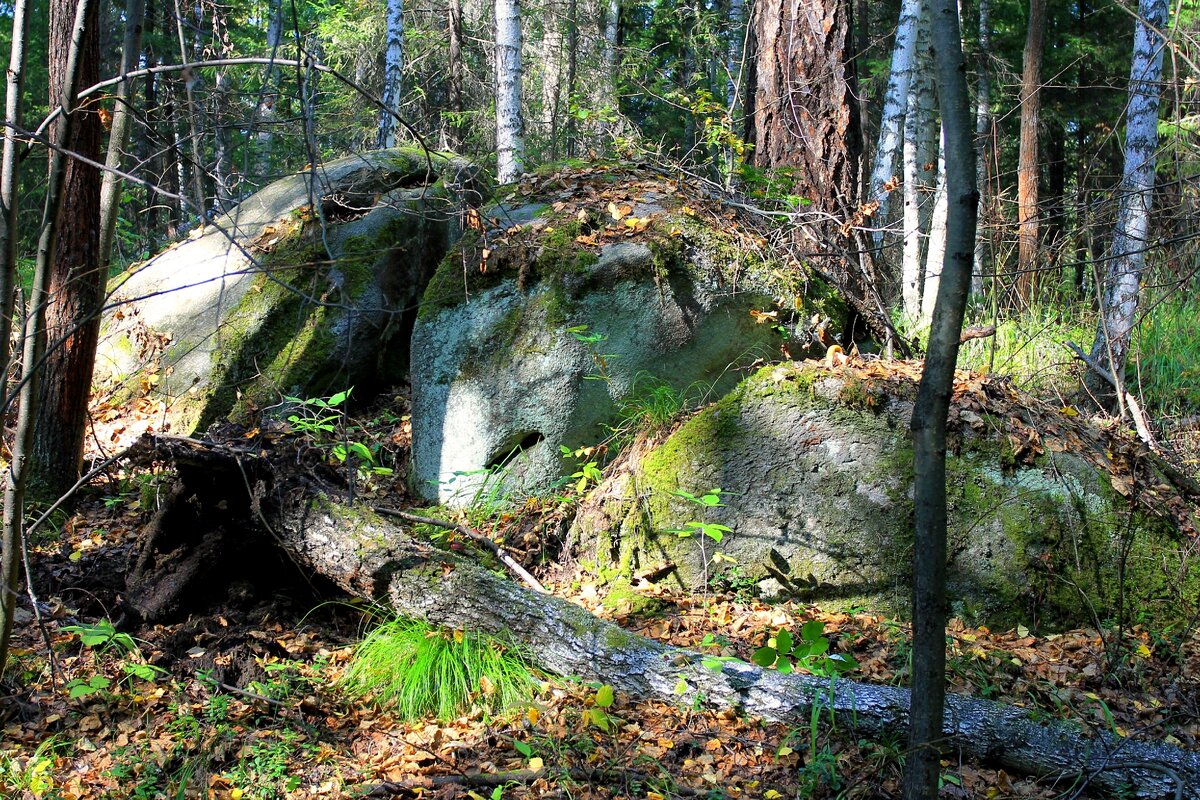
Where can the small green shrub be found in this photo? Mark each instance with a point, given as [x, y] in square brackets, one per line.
[418, 671]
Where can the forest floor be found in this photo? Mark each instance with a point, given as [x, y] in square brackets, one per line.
[243, 701]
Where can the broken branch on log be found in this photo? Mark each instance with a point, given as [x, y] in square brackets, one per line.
[475, 536]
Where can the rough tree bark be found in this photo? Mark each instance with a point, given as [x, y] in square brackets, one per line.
[510, 137]
[77, 280]
[35, 333]
[371, 556]
[393, 74]
[802, 113]
[1027, 157]
[930, 607]
[122, 124]
[1132, 236]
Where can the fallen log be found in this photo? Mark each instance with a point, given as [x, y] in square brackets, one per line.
[371, 556]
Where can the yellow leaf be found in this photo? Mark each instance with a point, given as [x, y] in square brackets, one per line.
[1143, 651]
[236, 794]
[536, 764]
[771, 794]
[784, 750]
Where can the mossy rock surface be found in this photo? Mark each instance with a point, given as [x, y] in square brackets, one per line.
[572, 295]
[817, 466]
[278, 298]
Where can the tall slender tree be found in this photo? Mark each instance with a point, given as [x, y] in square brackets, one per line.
[1028, 261]
[983, 126]
[930, 411]
[1132, 236]
[510, 134]
[122, 124]
[77, 280]
[8, 188]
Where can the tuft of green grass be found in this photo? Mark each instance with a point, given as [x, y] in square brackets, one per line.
[418, 671]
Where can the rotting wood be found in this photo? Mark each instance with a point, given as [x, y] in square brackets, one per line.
[370, 556]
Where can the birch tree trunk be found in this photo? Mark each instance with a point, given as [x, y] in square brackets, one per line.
[920, 148]
[1132, 234]
[1027, 163]
[393, 74]
[510, 137]
[8, 190]
[930, 606]
[983, 124]
[122, 123]
[895, 101]
[936, 254]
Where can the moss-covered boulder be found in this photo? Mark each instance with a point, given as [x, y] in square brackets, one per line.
[570, 297]
[281, 297]
[815, 466]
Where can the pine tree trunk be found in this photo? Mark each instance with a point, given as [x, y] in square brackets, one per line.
[895, 101]
[393, 74]
[510, 137]
[572, 71]
[77, 280]
[1028, 260]
[1132, 235]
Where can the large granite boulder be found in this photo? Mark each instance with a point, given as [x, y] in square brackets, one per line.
[575, 295]
[284, 297]
[816, 468]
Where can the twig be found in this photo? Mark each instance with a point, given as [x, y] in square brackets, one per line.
[474, 536]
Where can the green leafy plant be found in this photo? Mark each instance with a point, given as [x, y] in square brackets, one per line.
[104, 637]
[419, 671]
[597, 714]
[588, 471]
[810, 653]
[320, 418]
[714, 531]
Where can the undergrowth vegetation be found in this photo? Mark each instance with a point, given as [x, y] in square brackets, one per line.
[417, 671]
